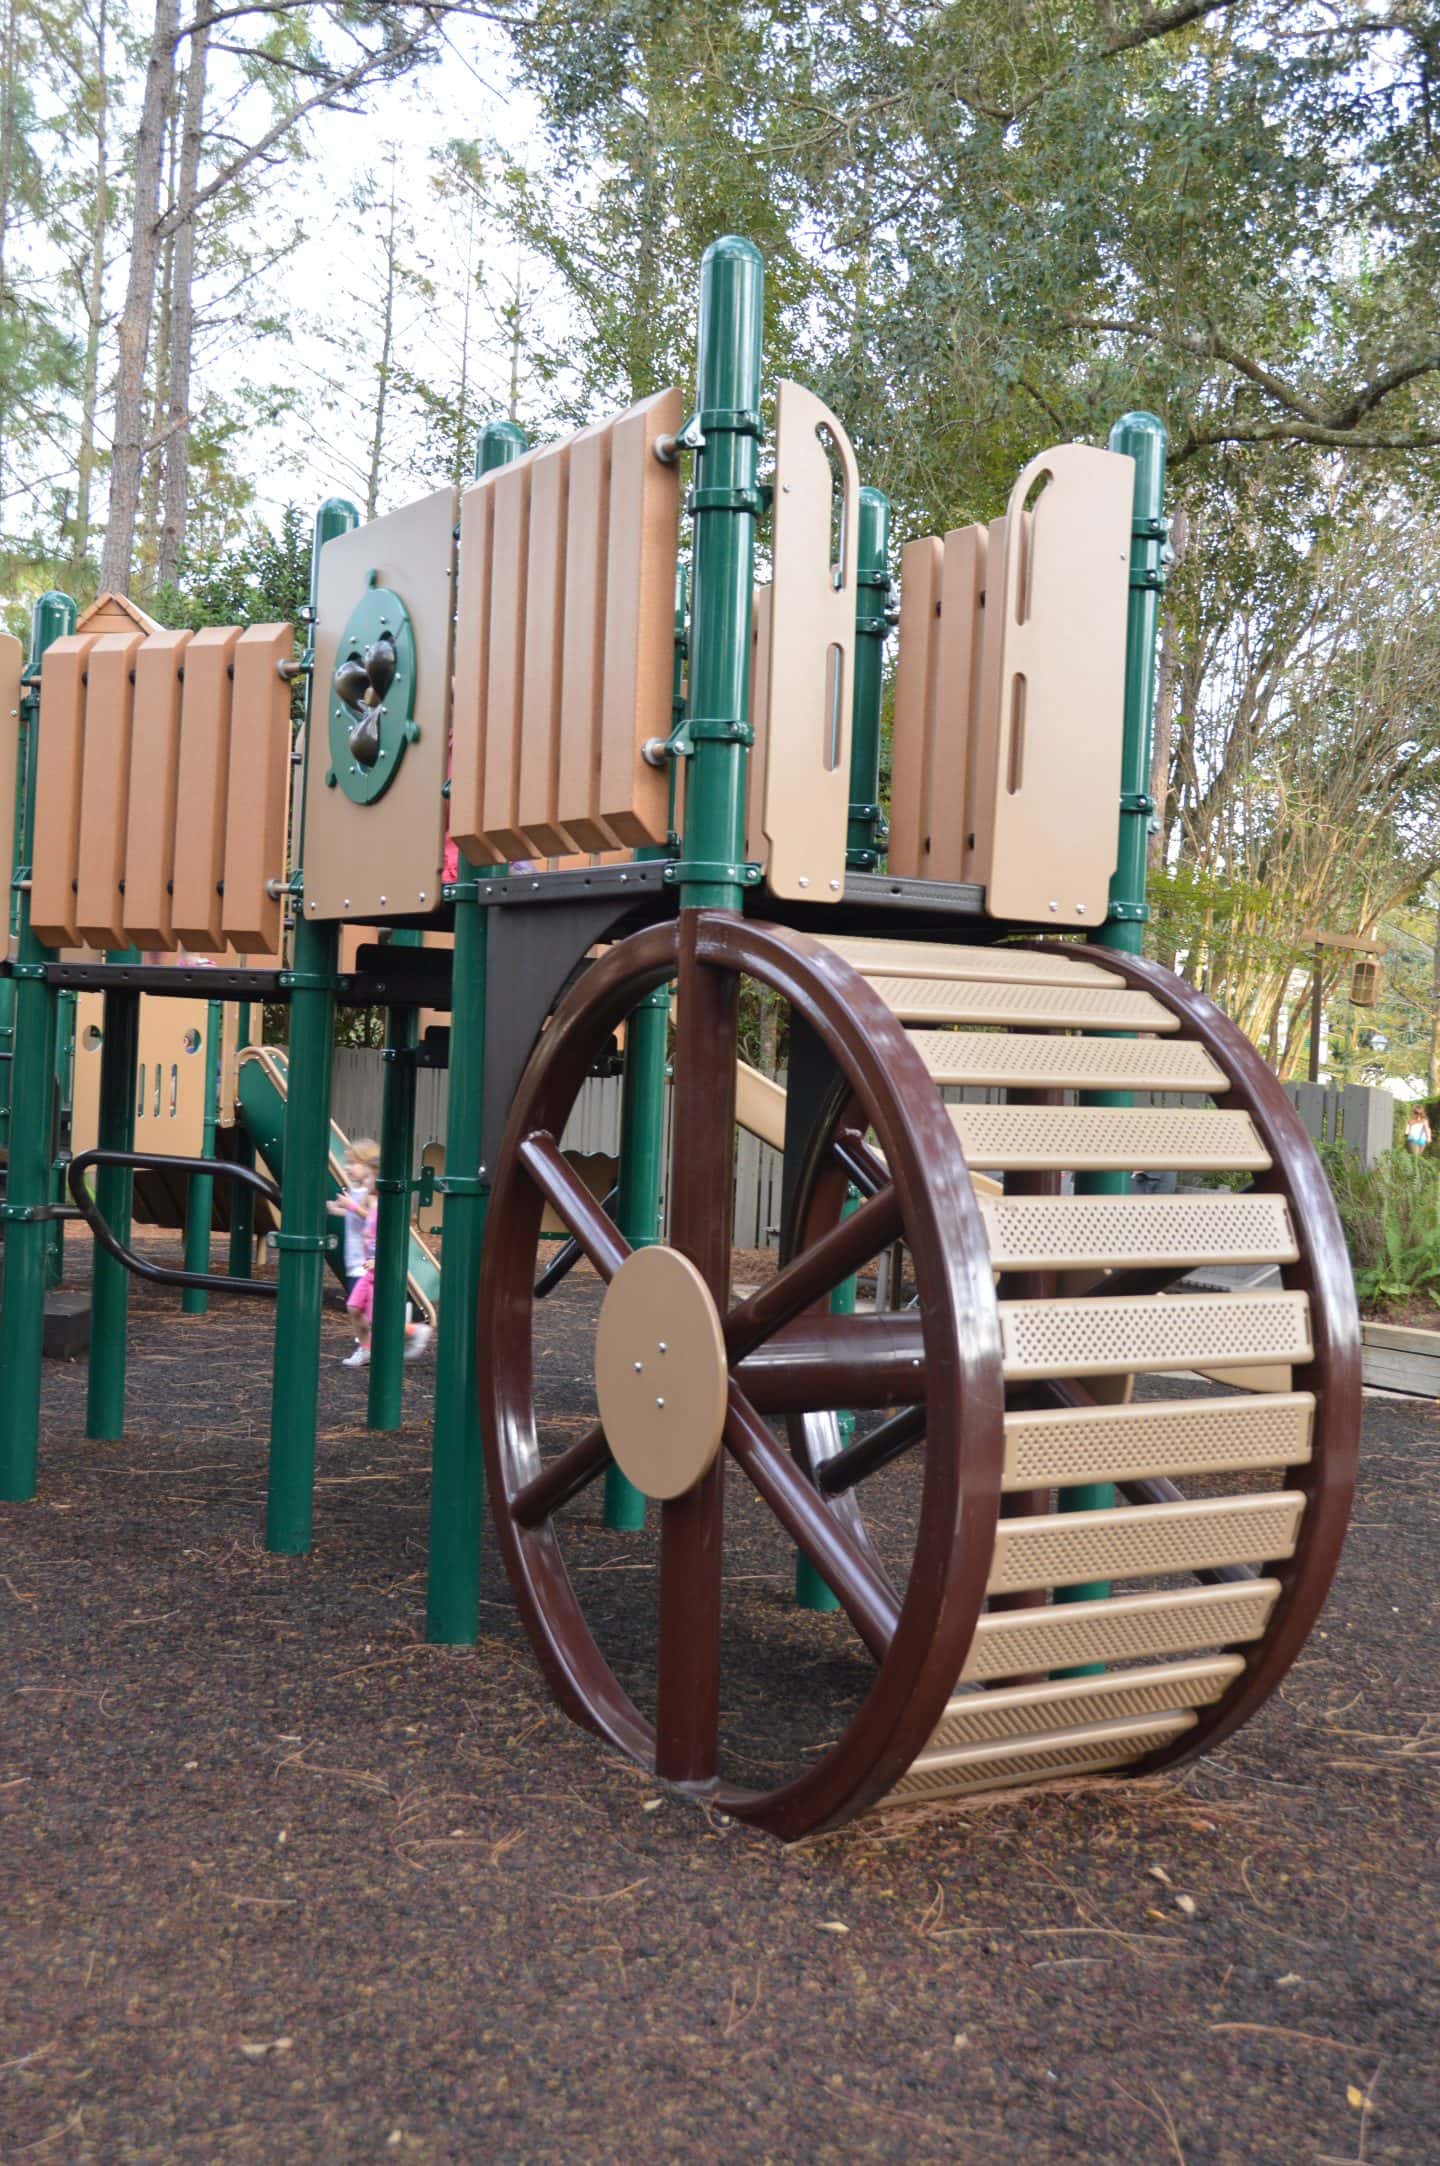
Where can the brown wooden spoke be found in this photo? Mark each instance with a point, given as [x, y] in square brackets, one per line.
[816, 1272]
[563, 1479]
[869, 1453]
[571, 1199]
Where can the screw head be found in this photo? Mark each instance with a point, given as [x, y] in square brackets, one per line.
[659, 1402]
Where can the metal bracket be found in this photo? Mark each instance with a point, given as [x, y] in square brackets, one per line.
[1136, 801]
[1128, 913]
[872, 628]
[310, 981]
[453, 891]
[461, 1184]
[306, 1244]
[688, 870]
[1148, 581]
[1151, 530]
[873, 579]
[723, 421]
[749, 500]
[719, 729]
[30, 1214]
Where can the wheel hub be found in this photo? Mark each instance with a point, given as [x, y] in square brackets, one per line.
[660, 1372]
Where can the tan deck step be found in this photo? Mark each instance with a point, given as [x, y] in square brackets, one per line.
[1068, 1233]
[1030, 1060]
[939, 961]
[1160, 1436]
[992, 1718]
[1062, 1752]
[1096, 1337]
[1121, 1628]
[1030, 1006]
[1042, 1139]
[1064, 1549]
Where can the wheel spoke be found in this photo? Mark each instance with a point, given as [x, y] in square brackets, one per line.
[816, 1272]
[869, 1453]
[564, 1478]
[859, 1587]
[572, 1201]
[861, 1160]
[837, 1361]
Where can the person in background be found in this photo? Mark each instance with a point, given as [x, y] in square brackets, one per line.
[1417, 1130]
[359, 1209]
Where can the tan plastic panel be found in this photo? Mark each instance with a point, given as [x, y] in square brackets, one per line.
[1049, 965]
[257, 800]
[537, 787]
[382, 860]
[960, 720]
[148, 912]
[760, 1105]
[472, 671]
[756, 846]
[1040, 1007]
[644, 550]
[1060, 599]
[170, 1110]
[505, 685]
[1043, 1139]
[1064, 1549]
[105, 788]
[1122, 1628]
[991, 1718]
[1096, 1337]
[916, 669]
[1052, 1062]
[58, 764]
[1058, 1447]
[12, 664]
[810, 674]
[582, 675]
[1061, 1752]
[1036, 1233]
[197, 913]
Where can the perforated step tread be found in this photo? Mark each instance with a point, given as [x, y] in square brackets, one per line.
[1121, 1628]
[981, 1718]
[1044, 1139]
[1061, 1447]
[1040, 1007]
[1061, 1752]
[1096, 1337]
[939, 961]
[1065, 1549]
[1036, 1233]
[1037, 1060]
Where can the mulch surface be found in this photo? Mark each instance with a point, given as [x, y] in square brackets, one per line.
[278, 1881]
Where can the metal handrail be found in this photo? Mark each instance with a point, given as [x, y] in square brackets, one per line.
[157, 1161]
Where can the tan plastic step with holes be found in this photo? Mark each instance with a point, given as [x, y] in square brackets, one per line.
[1037, 1061]
[1030, 1006]
[1096, 1337]
[1159, 1436]
[1062, 1752]
[924, 959]
[1121, 1628]
[993, 1718]
[1042, 1139]
[1064, 1549]
[1066, 1233]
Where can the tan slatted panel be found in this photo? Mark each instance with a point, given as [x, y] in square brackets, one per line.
[1052, 964]
[984, 769]
[1033, 1233]
[154, 790]
[1057, 1447]
[1096, 1337]
[639, 623]
[12, 664]
[472, 671]
[204, 779]
[1100, 1138]
[760, 1105]
[537, 787]
[1065, 1549]
[58, 765]
[1122, 1628]
[917, 664]
[1066, 1063]
[105, 789]
[587, 539]
[755, 843]
[505, 658]
[958, 717]
[1062, 1752]
[1042, 1007]
[991, 1718]
[258, 794]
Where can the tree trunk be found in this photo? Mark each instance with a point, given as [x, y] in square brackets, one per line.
[1432, 1065]
[94, 288]
[382, 374]
[133, 335]
[8, 78]
[182, 308]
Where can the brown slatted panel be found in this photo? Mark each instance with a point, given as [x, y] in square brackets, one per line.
[505, 661]
[639, 622]
[204, 773]
[537, 786]
[256, 800]
[956, 710]
[105, 789]
[57, 791]
[587, 540]
[472, 640]
[915, 690]
[154, 788]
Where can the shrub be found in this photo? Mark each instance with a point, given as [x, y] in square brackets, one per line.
[1390, 1213]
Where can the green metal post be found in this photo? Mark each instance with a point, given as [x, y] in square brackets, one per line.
[392, 1227]
[637, 1207]
[114, 1189]
[314, 954]
[53, 617]
[865, 839]
[31, 1067]
[1141, 438]
[200, 1195]
[456, 1482]
[241, 1263]
[65, 1008]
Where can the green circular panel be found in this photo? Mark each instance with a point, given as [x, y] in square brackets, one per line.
[372, 695]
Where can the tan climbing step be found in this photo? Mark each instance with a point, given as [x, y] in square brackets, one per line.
[1062, 1752]
[937, 961]
[1062, 1446]
[1025, 1006]
[1121, 1628]
[1043, 1139]
[1065, 1549]
[1065, 1233]
[1150, 1332]
[993, 1718]
[1037, 1061]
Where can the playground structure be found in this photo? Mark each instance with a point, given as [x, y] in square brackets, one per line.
[504, 668]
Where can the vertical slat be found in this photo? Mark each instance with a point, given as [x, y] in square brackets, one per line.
[537, 799]
[639, 622]
[12, 663]
[921, 572]
[983, 768]
[587, 541]
[258, 789]
[197, 916]
[105, 789]
[505, 660]
[756, 847]
[154, 787]
[472, 646]
[957, 707]
[57, 791]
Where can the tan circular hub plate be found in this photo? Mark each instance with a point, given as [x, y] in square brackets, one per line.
[660, 1373]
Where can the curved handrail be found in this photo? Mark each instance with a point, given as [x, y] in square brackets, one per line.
[140, 1266]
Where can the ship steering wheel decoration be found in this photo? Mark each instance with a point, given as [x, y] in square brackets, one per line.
[372, 696]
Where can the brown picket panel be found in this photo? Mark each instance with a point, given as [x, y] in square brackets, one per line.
[546, 599]
[505, 660]
[147, 914]
[582, 673]
[258, 789]
[921, 576]
[472, 646]
[58, 767]
[644, 547]
[105, 789]
[12, 664]
[197, 917]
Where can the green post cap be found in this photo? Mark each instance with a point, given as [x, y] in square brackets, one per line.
[498, 443]
[52, 617]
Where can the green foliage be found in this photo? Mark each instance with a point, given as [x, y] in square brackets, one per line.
[262, 579]
[1390, 1213]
